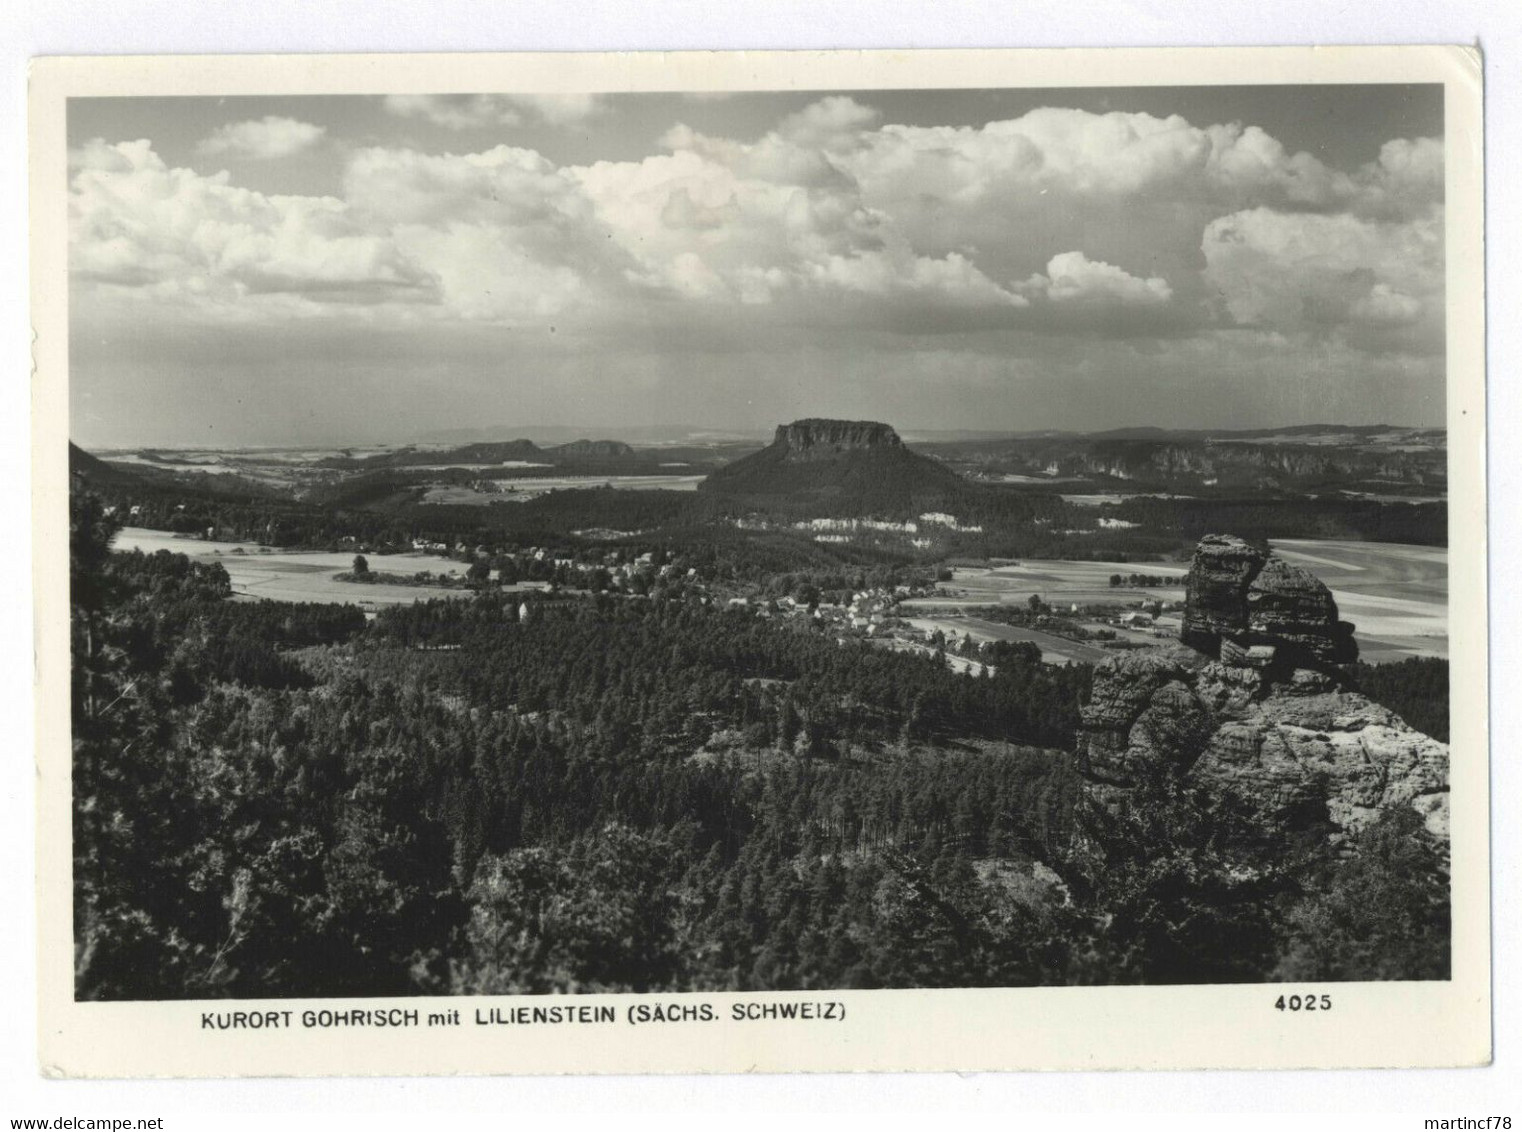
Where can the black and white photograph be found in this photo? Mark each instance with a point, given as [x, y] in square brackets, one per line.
[676, 543]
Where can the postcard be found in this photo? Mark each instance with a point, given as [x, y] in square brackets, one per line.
[760, 562]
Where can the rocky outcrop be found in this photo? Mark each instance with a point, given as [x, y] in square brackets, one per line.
[1283, 730]
[1301, 459]
[1296, 749]
[1246, 605]
[854, 468]
[1294, 753]
[1146, 689]
[1293, 610]
[1223, 569]
[578, 450]
[820, 439]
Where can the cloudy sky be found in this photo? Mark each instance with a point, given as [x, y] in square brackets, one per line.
[357, 269]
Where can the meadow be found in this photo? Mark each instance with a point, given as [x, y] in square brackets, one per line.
[1056, 581]
[1054, 649]
[1395, 594]
[521, 490]
[299, 575]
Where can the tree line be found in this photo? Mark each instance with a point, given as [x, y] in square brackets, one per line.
[635, 794]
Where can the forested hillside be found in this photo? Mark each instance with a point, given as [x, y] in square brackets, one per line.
[748, 510]
[1415, 689]
[632, 793]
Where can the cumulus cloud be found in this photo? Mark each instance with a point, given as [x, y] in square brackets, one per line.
[1384, 304]
[1126, 187]
[505, 185]
[720, 220]
[1412, 163]
[833, 124]
[952, 280]
[136, 223]
[483, 111]
[562, 109]
[1250, 162]
[509, 236]
[1058, 222]
[1074, 278]
[262, 140]
[1376, 282]
[1115, 155]
[1405, 182]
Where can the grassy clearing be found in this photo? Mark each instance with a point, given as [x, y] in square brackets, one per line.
[291, 575]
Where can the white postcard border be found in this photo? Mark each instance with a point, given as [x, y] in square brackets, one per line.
[1371, 1025]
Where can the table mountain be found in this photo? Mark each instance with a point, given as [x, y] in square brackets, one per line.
[859, 466]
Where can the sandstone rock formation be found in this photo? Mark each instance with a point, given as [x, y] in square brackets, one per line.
[1288, 747]
[849, 467]
[819, 439]
[1288, 735]
[1247, 605]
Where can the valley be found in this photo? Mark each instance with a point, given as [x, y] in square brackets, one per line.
[615, 540]
[823, 496]
[825, 712]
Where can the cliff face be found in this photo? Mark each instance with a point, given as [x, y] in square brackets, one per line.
[1224, 567]
[820, 439]
[1241, 598]
[1182, 461]
[1292, 747]
[1257, 707]
[591, 450]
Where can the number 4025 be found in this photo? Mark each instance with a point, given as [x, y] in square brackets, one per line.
[1297, 1002]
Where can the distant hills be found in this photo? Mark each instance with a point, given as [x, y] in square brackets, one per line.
[1307, 433]
[96, 470]
[577, 452]
[656, 436]
[1368, 458]
[863, 464]
[829, 467]
[1083, 496]
[147, 480]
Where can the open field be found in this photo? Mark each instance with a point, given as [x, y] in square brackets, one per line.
[284, 471]
[1396, 595]
[208, 466]
[1386, 497]
[1018, 477]
[522, 489]
[1054, 649]
[541, 484]
[1058, 582]
[1396, 440]
[298, 575]
[500, 464]
[1096, 499]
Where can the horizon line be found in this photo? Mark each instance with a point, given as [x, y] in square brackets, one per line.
[675, 432]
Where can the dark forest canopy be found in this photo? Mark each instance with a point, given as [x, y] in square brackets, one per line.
[1416, 689]
[582, 793]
